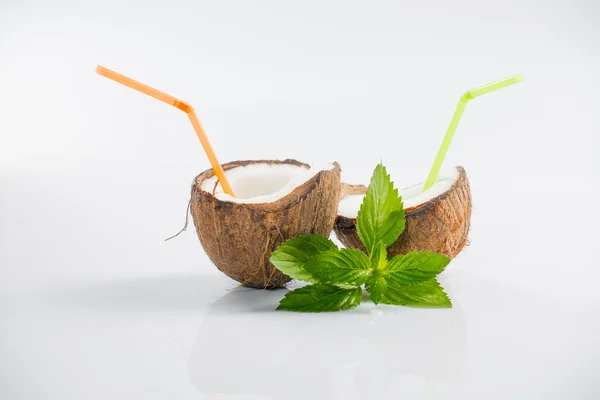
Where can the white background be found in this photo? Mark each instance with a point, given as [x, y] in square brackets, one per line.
[93, 176]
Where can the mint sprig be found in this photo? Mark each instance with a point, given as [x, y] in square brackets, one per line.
[338, 274]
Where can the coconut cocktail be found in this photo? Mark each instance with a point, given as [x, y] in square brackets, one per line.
[274, 201]
[265, 222]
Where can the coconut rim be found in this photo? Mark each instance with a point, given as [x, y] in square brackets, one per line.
[280, 204]
[410, 211]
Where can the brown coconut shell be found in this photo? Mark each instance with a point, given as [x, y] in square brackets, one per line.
[439, 225]
[239, 238]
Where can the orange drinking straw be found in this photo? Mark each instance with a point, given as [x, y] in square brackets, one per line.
[183, 106]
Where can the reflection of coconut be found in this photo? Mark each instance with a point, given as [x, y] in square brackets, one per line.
[276, 200]
[243, 348]
[437, 220]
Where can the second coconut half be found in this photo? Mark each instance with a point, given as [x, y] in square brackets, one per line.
[437, 219]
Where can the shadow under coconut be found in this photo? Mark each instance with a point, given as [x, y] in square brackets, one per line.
[245, 347]
[159, 293]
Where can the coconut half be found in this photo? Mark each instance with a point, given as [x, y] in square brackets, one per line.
[437, 220]
[275, 201]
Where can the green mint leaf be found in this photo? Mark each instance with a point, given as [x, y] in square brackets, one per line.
[321, 297]
[414, 267]
[424, 294]
[376, 286]
[379, 259]
[291, 256]
[381, 214]
[347, 266]
[376, 283]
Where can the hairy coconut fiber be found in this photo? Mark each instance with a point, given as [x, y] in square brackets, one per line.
[239, 238]
[439, 225]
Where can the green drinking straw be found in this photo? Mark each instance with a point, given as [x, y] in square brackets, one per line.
[460, 108]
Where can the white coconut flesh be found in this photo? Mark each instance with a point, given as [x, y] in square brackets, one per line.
[411, 197]
[263, 183]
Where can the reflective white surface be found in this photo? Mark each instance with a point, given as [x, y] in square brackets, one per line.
[95, 305]
[199, 336]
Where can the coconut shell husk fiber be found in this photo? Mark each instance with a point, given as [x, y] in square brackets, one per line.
[239, 238]
[439, 225]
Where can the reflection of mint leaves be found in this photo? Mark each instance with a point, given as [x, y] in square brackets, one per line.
[338, 274]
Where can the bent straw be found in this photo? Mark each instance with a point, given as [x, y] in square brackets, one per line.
[460, 108]
[183, 106]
